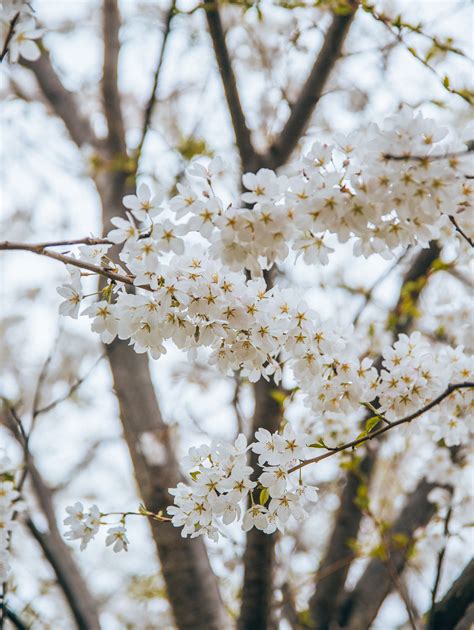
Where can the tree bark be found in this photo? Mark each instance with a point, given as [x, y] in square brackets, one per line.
[257, 591]
[81, 603]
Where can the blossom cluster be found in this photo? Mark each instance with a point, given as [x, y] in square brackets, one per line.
[200, 296]
[415, 374]
[222, 482]
[385, 187]
[197, 266]
[9, 504]
[18, 30]
[84, 525]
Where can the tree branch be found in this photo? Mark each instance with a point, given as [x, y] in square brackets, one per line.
[62, 102]
[312, 90]
[152, 100]
[110, 92]
[467, 622]
[461, 231]
[80, 601]
[15, 618]
[378, 432]
[11, 31]
[452, 608]
[41, 250]
[248, 155]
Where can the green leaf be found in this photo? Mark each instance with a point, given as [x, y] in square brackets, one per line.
[264, 496]
[279, 396]
[372, 423]
[319, 444]
[446, 81]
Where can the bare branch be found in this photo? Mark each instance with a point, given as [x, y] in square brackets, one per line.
[74, 387]
[62, 102]
[11, 31]
[312, 90]
[441, 555]
[69, 260]
[15, 618]
[461, 231]
[58, 554]
[451, 609]
[467, 622]
[248, 155]
[152, 100]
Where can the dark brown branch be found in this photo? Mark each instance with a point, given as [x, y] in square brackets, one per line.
[441, 555]
[69, 580]
[62, 102]
[312, 91]
[15, 618]
[452, 608]
[110, 92]
[461, 231]
[152, 100]
[11, 31]
[67, 260]
[248, 155]
[467, 622]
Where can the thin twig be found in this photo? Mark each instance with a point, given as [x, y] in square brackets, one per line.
[369, 294]
[41, 250]
[460, 231]
[428, 158]
[248, 155]
[448, 391]
[152, 100]
[71, 390]
[441, 555]
[11, 30]
[41, 378]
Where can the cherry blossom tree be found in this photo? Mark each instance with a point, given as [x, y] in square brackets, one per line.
[305, 250]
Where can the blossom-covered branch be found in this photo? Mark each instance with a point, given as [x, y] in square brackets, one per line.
[378, 432]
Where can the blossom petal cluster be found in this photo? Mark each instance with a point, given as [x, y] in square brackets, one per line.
[198, 269]
[223, 488]
[84, 525]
